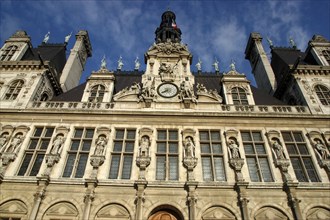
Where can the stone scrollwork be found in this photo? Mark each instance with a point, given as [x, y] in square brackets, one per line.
[169, 47]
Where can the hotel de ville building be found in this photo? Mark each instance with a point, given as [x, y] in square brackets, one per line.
[164, 143]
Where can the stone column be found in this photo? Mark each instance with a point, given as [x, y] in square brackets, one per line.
[192, 198]
[140, 185]
[90, 185]
[39, 196]
[293, 201]
[243, 200]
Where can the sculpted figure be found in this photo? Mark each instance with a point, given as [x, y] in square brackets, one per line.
[186, 89]
[100, 145]
[57, 145]
[165, 68]
[199, 65]
[278, 149]
[321, 149]
[234, 149]
[137, 64]
[46, 38]
[120, 63]
[216, 65]
[103, 63]
[3, 141]
[189, 148]
[148, 88]
[15, 143]
[144, 147]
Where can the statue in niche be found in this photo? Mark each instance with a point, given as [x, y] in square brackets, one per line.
[321, 149]
[144, 146]
[189, 147]
[3, 141]
[279, 151]
[101, 141]
[234, 149]
[57, 144]
[15, 143]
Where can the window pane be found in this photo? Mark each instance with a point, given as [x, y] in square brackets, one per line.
[114, 167]
[298, 170]
[253, 170]
[173, 147]
[291, 149]
[118, 146]
[37, 164]
[173, 171]
[287, 136]
[260, 149]
[217, 149]
[89, 133]
[44, 144]
[161, 135]
[246, 136]
[129, 147]
[205, 148]
[160, 169]
[256, 136]
[248, 148]
[127, 167]
[161, 147]
[120, 134]
[131, 134]
[207, 171]
[38, 132]
[298, 137]
[310, 170]
[265, 170]
[33, 144]
[78, 133]
[86, 145]
[173, 135]
[69, 165]
[204, 135]
[49, 132]
[75, 145]
[303, 149]
[25, 164]
[215, 136]
[219, 169]
[81, 165]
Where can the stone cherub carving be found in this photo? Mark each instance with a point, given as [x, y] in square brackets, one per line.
[234, 149]
[57, 144]
[278, 148]
[321, 149]
[144, 146]
[189, 147]
[101, 142]
[3, 141]
[15, 143]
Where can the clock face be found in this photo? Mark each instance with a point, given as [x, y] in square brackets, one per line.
[167, 90]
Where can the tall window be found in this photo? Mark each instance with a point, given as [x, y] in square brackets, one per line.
[300, 158]
[36, 151]
[212, 156]
[239, 96]
[78, 153]
[96, 94]
[8, 53]
[323, 93]
[256, 156]
[14, 90]
[122, 154]
[167, 156]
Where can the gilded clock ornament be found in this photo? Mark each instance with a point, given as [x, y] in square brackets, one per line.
[167, 90]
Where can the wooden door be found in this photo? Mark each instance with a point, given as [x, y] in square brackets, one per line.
[162, 215]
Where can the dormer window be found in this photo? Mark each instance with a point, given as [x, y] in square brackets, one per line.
[239, 96]
[8, 53]
[323, 94]
[96, 94]
[14, 90]
[326, 54]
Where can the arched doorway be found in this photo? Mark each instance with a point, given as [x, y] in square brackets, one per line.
[165, 213]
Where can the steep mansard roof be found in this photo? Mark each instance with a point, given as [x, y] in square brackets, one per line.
[126, 79]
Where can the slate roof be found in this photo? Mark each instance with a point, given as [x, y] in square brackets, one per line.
[127, 78]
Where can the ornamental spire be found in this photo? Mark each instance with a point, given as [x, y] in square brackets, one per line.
[168, 29]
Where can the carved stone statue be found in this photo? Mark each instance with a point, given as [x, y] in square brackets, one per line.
[101, 141]
[186, 89]
[148, 89]
[321, 149]
[57, 144]
[234, 149]
[137, 63]
[144, 147]
[15, 143]
[120, 63]
[103, 63]
[67, 38]
[165, 69]
[216, 65]
[270, 42]
[199, 65]
[232, 66]
[3, 141]
[292, 43]
[46, 38]
[189, 148]
[278, 149]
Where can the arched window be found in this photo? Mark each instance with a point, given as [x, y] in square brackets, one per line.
[239, 96]
[8, 53]
[14, 90]
[96, 94]
[323, 93]
[44, 97]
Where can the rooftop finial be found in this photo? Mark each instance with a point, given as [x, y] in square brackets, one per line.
[232, 66]
[199, 65]
[270, 42]
[292, 43]
[120, 63]
[216, 64]
[103, 63]
[137, 63]
[46, 38]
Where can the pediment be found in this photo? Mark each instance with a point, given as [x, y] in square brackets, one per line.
[270, 213]
[14, 206]
[318, 213]
[113, 211]
[218, 213]
[62, 209]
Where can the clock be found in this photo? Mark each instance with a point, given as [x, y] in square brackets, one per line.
[167, 90]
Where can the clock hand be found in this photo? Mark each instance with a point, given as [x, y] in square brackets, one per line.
[166, 90]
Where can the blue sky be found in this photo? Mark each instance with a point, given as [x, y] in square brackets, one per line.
[211, 28]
